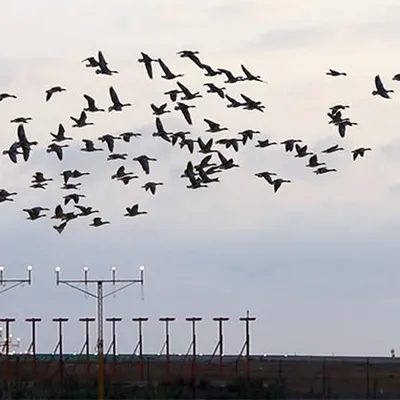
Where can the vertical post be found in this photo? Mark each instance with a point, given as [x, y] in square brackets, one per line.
[167, 320]
[7, 321]
[113, 321]
[220, 321]
[140, 320]
[86, 346]
[32, 346]
[193, 320]
[60, 321]
[247, 319]
[100, 340]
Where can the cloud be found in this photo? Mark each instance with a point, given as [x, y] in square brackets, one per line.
[291, 38]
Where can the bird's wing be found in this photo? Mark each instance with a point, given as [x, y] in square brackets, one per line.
[378, 83]
[113, 95]
[90, 100]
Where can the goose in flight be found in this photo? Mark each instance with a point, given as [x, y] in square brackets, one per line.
[332, 149]
[289, 144]
[24, 143]
[206, 148]
[147, 60]
[144, 162]
[395, 78]
[71, 186]
[251, 104]
[4, 96]
[21, 120]
[334, 109]
[266, 175]
[167, 72]
[39, 177]
[84, 211]
[234, 143]
[313, 162]
[230, 78]
[173, 94]
[210, 71]
[302, 151]
[277, 183]
[184, 108]
[54, 89]
[205, 177]
[250, 76]
[191, 55]
[151, 186]
[81, 121]
[5, 195]
[60, 228]
[74, 197]
[58, 212]
[60, 136]
[159, 110]
[38, 185]
[109, 140]
[121, 173]
[265, 143]
[248, 134]
[97, 221]
[34, 212]
[333, 72]
[126, 136]
[213, 126]
[360, 152]
[324, 170]
[215, 89]
[117, 156]
[380, 89]
[91, 107]
[133, 211]
[58, 149]
[343, 125]
[161, 132]
[233, 103]
[12, 152]
[117, 105]
[189, 143]
[188, 95]
[89, 146]
[103, 66]
[126, 179]
[226, 163]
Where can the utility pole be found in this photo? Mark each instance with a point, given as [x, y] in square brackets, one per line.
[140, 321]
[7, 341]
[32, 346]
[220, 344]
[14, 282]
[113, 344]
[59, 346]
[247, 319]
[86, 345]
[193, 320]
[166, 344]
[100, 296]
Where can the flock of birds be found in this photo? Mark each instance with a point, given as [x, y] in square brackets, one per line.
[199, 175]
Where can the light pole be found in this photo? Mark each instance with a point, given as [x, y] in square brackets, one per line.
[100, 296]
[14, 282]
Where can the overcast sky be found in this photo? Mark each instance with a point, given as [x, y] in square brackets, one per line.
[316, 263]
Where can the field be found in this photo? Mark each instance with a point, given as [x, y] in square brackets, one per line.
[323, 377]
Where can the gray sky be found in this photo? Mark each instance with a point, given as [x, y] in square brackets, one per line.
[316, 263]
